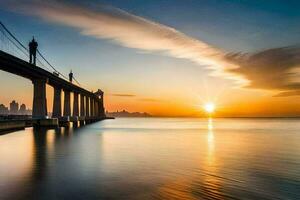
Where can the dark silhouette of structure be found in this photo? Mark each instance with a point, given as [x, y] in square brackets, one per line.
[13, 107]
[100, 106]
[86, 107]
[71, 76]
[125, 113]
[22, 110]
[3, 109]
[32, 51]
[89, 109]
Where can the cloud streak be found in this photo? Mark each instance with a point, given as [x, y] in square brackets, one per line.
[150, 100]
[123, 95]
[273, 69]
[126, 29]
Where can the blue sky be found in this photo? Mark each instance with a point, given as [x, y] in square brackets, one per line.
[229, 25]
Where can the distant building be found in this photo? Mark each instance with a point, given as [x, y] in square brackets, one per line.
[22, 110]
[29, 112]
[3, 110]
[125, 113]
[13, 108]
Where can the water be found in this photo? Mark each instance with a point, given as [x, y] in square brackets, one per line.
[154, 159]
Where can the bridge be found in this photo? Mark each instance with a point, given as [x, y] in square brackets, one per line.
[87, 106]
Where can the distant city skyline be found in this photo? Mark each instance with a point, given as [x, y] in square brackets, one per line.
[125, 113]
[14, 109]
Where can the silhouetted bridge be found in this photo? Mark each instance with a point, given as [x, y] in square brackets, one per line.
[87, 106]
[90, 107]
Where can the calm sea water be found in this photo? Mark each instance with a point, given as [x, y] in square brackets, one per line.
[154, 158]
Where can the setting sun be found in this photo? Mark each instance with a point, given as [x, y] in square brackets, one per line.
[209, 107]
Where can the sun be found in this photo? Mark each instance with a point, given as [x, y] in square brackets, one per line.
[209, 107]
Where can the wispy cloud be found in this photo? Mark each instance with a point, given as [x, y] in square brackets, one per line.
[273, 69]
[288, 93]
[125, 29]
[150, 100]
[123, 95]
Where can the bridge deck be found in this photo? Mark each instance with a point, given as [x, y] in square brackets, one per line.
[22, 68]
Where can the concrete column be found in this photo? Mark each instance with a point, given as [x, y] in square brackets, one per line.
[39, 107]
[87, 108]
[92, 106]
[67, 104]
[82, 106]
[56, 112]
[75, 105]
[96, 107]
[101, 106]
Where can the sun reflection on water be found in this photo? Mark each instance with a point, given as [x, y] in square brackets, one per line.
[210, 142]
[211, 184]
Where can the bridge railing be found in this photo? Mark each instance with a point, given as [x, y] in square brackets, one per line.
[11, 45]
[91, 104]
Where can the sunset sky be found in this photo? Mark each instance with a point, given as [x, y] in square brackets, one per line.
[167, 57]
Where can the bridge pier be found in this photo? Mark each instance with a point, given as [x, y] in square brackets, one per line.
[102, 105]
[87, 108]
[82, 110]
[65, 120]
[75, 105]
[98, 105]
[94, 103]
[75, 114]
[82, 106]
[100, 108]
[95, 108]
[39, 107]
[92, 106]
[67, 104]
[56, 113]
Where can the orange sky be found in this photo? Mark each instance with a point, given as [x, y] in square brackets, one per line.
[230, 102]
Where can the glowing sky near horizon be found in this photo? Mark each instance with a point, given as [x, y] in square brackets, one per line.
[167, 58]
